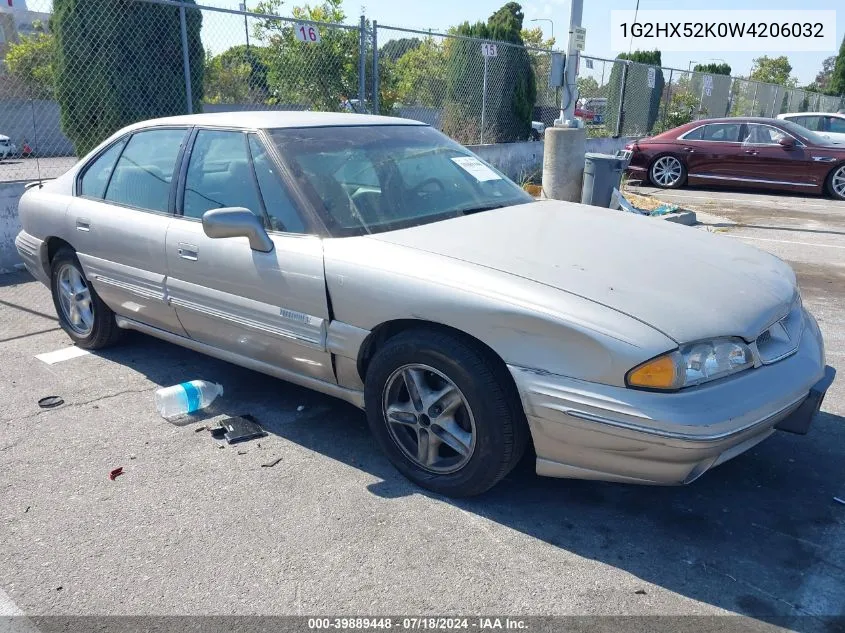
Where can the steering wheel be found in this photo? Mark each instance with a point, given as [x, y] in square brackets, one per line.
[428, 181]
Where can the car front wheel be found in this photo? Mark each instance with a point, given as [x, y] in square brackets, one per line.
[82, 314]
[444, 412]
[836, 183]
[667, 172]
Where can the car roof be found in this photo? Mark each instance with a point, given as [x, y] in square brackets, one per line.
[268, 119]
[738, 119]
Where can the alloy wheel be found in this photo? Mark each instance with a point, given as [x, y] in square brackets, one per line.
[75, 299]
[837, 182]
[667, 171]
[429, 418]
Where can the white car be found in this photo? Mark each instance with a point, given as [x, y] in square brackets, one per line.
[7, 148]
[829, 124]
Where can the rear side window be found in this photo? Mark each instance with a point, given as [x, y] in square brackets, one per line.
[810, 122]
[96, 176]
[726, 132]
[144, 171]
[219, 174]
[694, 135]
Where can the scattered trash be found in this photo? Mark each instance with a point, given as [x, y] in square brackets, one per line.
[117, 472]
[838, 500]
[186, 397]
[241, 452]
[50, 402]
[637, 204]
[271, 464]
[27, 509]
[640, 592]
[202, 428]
[301, 407]
[241, 429]
[59, 588]
[131, 457]
[217, 432]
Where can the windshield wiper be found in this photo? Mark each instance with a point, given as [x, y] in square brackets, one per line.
[487, 207]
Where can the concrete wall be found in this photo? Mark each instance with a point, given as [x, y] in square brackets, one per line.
[10, 193]
[16, 122]
[521, 161]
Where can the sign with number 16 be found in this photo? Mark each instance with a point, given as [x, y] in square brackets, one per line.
[305, 33]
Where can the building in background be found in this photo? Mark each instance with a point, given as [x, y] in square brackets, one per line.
[16, 20]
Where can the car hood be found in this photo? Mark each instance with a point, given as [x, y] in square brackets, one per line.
[684, 282]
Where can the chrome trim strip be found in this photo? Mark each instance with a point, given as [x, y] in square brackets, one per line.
[768, 182]
[349, 395]
[249, 323]
[133, 288]
[591, 417]
[824, 159]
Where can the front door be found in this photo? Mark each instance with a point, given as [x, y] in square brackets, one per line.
[118, 223]
[270, 307]
[765, 161]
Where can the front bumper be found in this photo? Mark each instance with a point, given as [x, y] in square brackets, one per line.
[587, 430]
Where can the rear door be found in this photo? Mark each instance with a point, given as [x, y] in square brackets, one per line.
[119, 219]
[270, 307]
[711, 151]
[765, 161]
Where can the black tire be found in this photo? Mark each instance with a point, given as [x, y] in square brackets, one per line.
[829, 183]
[680, 182]
[104, 331]
[501, 431]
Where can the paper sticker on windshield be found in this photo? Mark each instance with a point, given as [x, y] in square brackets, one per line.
[480, 171]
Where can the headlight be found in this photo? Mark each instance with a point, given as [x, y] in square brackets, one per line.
[692, 365]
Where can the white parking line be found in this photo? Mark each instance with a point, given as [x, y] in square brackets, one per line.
[8, 609]
[66, 353]
[12, 619]
[764, 239]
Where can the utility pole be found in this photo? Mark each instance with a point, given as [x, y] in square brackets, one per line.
[242, 7]
[567, 106]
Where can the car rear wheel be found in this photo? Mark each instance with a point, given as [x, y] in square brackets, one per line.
[444, 413]
[836, 183]
[82, 314]
[667, 172]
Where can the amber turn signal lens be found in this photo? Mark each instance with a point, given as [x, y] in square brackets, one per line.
[659, 373]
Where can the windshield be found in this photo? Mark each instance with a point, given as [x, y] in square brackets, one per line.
[801, 132]
[369, 179]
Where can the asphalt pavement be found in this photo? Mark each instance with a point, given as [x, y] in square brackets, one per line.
[196, 527]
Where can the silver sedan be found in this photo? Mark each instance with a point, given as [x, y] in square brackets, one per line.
[375, 260]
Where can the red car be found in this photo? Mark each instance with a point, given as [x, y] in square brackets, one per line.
[741, 152]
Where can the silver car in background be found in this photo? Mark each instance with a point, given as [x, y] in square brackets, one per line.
[375, 260]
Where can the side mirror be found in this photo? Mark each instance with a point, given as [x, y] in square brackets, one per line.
[787, 142]
[237, 222]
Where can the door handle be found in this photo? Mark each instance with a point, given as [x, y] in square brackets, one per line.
[188, 251]
[83, 224]
[689, 149]
[752, 152]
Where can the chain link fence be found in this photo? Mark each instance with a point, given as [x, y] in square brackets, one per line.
[129, 60]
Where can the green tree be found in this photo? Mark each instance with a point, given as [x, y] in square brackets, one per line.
[713, 69]
[837, 79]
[511, 84]
[318, 75]
[120, 61]
[641, 101]
[30, 61]
[421, 75]
[394, 49]
[237, 75]
[587, 87]
[773, 70]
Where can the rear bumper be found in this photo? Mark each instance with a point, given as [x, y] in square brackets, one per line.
[33, 253]
[590, 431]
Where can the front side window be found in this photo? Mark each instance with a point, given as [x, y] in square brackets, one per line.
[369, 179]
[762, 135]
[219, 174]
[97, 173]
[815, 123]
[836, 125]
[145, 169]
[277, 202]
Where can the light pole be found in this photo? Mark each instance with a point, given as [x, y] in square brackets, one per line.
[242, 7]
[550, 21]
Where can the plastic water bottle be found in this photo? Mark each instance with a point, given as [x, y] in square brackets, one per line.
[186, 397]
